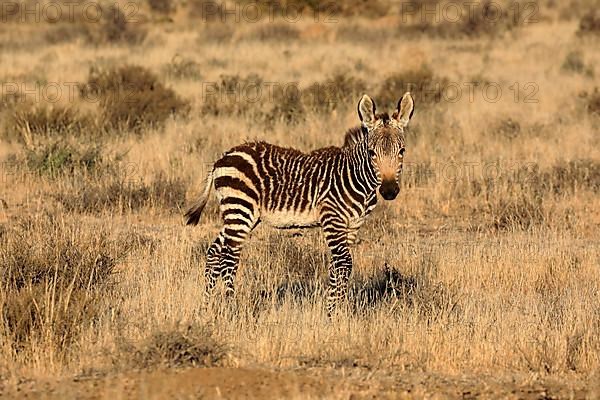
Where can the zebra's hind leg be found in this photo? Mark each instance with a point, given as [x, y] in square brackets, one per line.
[341, 260]
[238, 225]
[212, 270]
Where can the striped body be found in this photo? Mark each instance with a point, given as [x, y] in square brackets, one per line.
[334, 188]
[288, 189]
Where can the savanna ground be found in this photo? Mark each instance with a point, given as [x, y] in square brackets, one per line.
[479, 280]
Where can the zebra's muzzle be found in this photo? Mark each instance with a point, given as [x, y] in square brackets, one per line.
[389, 190]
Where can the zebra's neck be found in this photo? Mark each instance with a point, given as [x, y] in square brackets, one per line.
[362, 171]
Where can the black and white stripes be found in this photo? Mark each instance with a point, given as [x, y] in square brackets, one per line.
[334, 188]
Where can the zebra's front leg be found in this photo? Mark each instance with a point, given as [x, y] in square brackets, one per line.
[340, 268]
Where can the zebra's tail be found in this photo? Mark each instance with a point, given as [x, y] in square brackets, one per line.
[194, 213]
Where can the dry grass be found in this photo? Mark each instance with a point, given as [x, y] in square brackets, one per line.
[486, 264]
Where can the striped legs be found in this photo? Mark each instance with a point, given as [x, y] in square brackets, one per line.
[212, 270]
[341, 261]
[223, 255]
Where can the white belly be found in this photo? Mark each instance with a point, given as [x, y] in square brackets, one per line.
[290, 219]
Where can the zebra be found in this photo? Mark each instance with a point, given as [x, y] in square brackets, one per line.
[334, 188]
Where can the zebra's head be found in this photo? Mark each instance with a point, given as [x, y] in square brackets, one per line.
[385, 141]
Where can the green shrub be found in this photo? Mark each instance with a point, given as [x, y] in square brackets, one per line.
[59, 157]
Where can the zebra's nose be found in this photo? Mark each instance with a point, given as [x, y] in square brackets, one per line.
[389, 191]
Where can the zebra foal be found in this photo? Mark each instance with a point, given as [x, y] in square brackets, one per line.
[334, 188]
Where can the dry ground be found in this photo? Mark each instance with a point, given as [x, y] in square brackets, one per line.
[480, 280]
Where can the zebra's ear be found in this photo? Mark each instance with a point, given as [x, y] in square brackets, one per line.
[366, 110]
[406, 107]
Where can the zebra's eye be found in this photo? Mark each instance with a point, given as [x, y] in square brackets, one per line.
[372, 153]
[402, 152]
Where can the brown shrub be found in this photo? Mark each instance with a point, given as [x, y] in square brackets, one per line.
[521, 212]
[340, 89]
[488, 19]
[507, 128]
[274, 32]
[569, 177]
[114, 27]
[288, 107]
[53, 276]
[589, 24]
[593, 102]
[121, 194]
[66, 32]
[425, 87]
[233, 95]
[329, 9]
[183, 68]
[216, 32]
[163, 6]
[191, 346]
[131, 97]
[27, 122]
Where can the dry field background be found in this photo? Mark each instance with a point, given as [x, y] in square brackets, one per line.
[481, 279]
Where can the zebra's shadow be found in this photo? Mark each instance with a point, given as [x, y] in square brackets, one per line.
[369, 291]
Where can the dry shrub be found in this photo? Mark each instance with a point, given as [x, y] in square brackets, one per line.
[66, 32]
[191, 346]
[573, 62]
[54, 275]
[354, 32]
[589, 24]
[520, 212]
[110, 26]
[163, 6]
[10, 100]
[114, 27]
[288, 107]
[120, 193]
[488, 18]
[425, 87]
[506, 128]
[567, 177]
[182, 68]
[27, 122]
[207, 10]
[330, 9]
[233, 95]
[132, 97]
[593, 102]
[216, 32]
[337, 90]
[274, 32]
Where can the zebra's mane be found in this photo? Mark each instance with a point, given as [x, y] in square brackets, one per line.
[357, 134]
[353, 136]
